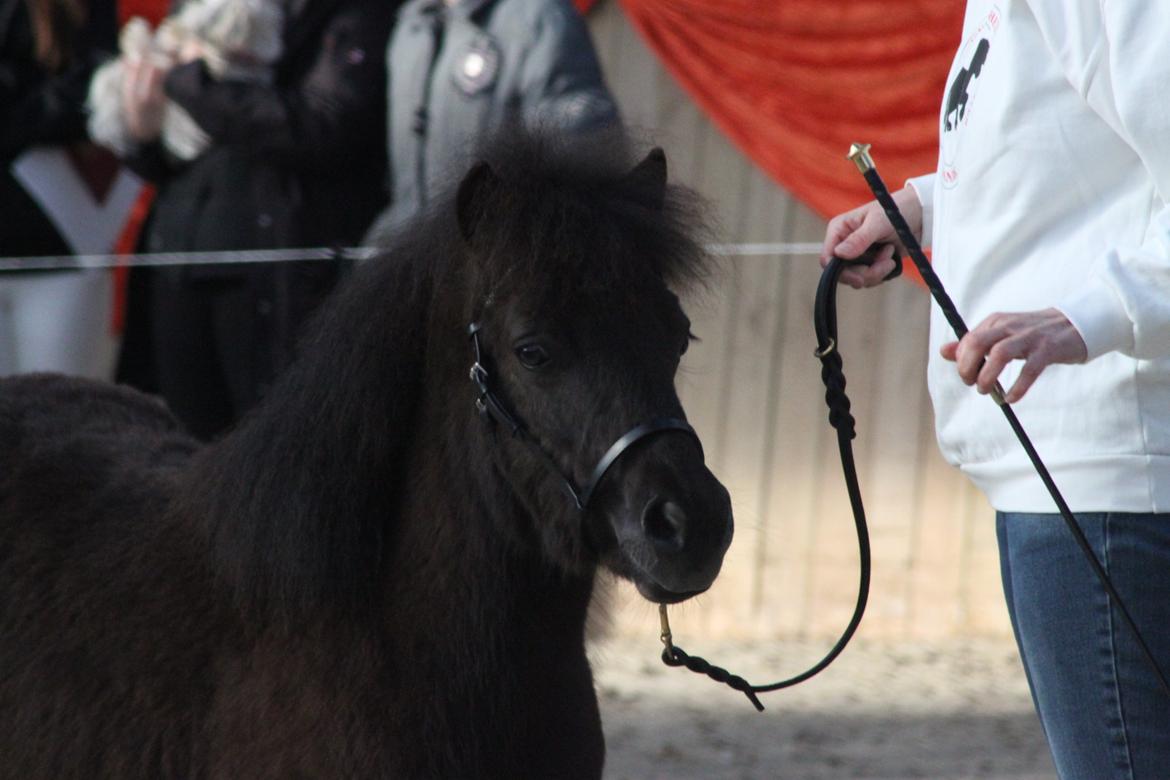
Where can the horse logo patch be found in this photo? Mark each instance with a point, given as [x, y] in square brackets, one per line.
[477, 66]
[961, 91]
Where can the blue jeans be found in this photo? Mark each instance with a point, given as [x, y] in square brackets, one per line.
[1103, 711]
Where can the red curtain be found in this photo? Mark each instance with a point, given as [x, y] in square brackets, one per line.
[152, 11]
[794, 82]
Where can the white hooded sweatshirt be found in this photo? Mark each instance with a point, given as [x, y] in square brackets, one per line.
[1052, 190]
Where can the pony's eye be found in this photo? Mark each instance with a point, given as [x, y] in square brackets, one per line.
[687, 343]
[532, 355]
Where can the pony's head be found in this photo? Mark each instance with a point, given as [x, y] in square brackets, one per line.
[571, 265]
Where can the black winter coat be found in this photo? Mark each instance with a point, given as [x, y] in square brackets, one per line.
[298, 163]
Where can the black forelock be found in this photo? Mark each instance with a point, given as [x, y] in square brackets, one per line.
[566, 211]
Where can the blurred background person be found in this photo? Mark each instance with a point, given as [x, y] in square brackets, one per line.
[59, 194]
[298, 162]
[461, 69]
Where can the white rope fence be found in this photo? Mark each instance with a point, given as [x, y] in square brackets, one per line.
[75, 262]
[766, 249]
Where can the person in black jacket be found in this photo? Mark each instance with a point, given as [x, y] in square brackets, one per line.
[51, 321]
[295, 163]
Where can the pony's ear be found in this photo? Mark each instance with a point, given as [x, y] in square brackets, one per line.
[646, 182]
[474, 192]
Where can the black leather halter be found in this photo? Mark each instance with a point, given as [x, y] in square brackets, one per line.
[491, 406]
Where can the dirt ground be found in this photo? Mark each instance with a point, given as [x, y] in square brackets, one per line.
[944, 711]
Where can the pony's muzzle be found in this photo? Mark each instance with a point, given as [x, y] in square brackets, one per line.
[678, 544]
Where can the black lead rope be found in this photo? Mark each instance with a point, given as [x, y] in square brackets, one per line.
[832, 374]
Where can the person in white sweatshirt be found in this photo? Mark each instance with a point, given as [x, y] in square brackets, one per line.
[1049, 224]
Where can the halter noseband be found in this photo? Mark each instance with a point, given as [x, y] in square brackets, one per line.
[490, 405]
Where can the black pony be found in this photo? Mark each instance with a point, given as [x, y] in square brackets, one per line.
[371, 577]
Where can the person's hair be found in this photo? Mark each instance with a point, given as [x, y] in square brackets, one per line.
[55, 24]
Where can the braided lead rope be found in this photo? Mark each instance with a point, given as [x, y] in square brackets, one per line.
[675, 656]
[832, 373]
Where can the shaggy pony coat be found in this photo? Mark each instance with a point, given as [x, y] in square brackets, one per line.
[364, 579]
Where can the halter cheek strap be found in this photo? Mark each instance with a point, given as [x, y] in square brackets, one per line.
[491, 405]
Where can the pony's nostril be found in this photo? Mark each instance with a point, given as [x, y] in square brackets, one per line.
[664, 523]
